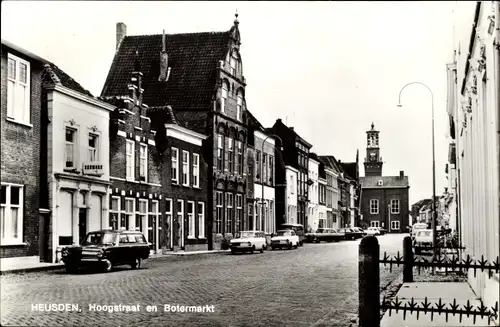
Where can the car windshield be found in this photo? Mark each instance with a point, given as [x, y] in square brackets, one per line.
[98, 238]
[283, 233]
[424, 233]
[246, 235]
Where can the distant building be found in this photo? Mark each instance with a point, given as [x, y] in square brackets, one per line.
[313, 204]
[322, 213]
[384, 199]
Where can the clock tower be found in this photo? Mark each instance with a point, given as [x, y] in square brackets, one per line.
[373, 161]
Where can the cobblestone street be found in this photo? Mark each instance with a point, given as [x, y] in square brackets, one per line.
[313, 285]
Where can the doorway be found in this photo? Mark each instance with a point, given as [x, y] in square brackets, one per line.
[82, 223]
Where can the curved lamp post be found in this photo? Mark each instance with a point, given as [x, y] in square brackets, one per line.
[262, 171]
[434, 238]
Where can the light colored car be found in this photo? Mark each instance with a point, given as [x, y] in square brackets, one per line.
[248, 241]
[373, 231]
[423, 238]
[285, 239]
[416, 227]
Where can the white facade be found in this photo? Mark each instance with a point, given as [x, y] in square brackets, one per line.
[78, 165]
[313, 205]
[291, 194]
[352, 197]
[322, 215]
[473, 102]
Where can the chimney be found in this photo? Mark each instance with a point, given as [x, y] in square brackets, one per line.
[291, 128]
[401, 174]
[278, 120]
[121, 32]
[164, 69]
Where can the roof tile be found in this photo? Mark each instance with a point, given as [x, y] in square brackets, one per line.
[388, 181]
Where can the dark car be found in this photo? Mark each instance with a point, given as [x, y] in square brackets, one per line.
[382, 230]
[359, 232]
[324, 234]
[350, 233]
[106, 249]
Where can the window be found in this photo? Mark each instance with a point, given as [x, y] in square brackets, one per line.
[201, 220]
[395, 206]
[229, 212]
[141, 217]
[239, 105]
[223, 97]
[219, 212]
[11, 213]
[143, 162]
[230, 154]
[168, 214]
[395, 224]
[250, 215]
[232, 63]
[114, 212]
[220, 152]
[258, 165]
[264, 168]
[175, 165]
[373, 206]
[153, 219]
[180, 220]
[291, 185]
[18, 89]
[239, 213]
[130, 159]
[240, 157]
[129, 213]
[374, 223]
[93, 146]
[196, 170]
[70, 148]
[185, 168]
[191, 221]
[271, 170]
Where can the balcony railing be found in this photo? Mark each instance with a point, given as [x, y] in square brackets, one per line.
[93, 168]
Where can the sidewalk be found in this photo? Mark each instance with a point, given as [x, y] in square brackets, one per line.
[45, 266]
[447, 291]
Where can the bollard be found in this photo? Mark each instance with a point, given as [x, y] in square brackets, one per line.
[369, 282]
[407, 260]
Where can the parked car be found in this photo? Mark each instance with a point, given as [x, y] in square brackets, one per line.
[326, 235]
[285, 239]
[359, 231]
[373, 231]
[298, 229]
[107, 249]
[382, 230]
[248, 241]
[350, 233]
[416, 227]
[423, 238]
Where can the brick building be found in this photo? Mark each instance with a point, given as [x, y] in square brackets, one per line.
[200, 76]
[20, 155]
[333, 191]
[384, 199]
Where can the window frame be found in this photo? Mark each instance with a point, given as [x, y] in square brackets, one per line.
[230, 154]
[374, 223]
[219, 212]
[239, 105]
[130, 160]
[397, 223]
[229, 212]
[239, 213]
[240, 157]
[155, 222]
[180, 219]
[174, 165]
[201, 219]
[7, 237]
[196, 170]
[185, 168]
[129, 215]
[73, 147]
[395, 205]
[191, 219]
[13, 113]
[220, 152]
[374, 203]
[169, 214]
[143, 161]
[117, 212]
[95, 149]
[141, 216]
[224, 93]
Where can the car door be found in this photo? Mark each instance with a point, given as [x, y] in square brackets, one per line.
[122, 249]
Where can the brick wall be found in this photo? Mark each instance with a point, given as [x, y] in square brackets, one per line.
[20, 157]
[384, 195]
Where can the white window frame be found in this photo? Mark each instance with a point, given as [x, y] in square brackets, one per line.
[239, 150]
[395, 206]
[142, 216]
[7, 237]
[230, 154]
[169, 214]
[117, 212]
[374, 223]
[20, 115]
[220, 152]
[73, 147]
[374, 203]
[196, 170]
[395, 222]
[156, 215]
[201, 219]
[219, 212]
[191, 220]
[224, 91]
[239, 105]
[180, 219]
[93, 152]
[175, 165]
[130, 215]
[239, 213]
[233, 64]
[229, 212]
[185, 168]
[143, 161]
[130, 160]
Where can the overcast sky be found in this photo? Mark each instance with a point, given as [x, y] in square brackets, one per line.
[329, 69]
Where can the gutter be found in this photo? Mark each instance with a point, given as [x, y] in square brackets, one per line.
[471, 45]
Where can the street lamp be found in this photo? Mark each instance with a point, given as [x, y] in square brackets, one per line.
[433, 164]
[262, 171]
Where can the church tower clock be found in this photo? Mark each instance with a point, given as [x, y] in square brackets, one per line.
[373, 161]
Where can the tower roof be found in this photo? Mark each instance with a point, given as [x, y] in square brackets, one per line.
[372, 130]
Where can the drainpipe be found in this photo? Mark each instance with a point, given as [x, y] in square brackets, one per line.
[497, 46]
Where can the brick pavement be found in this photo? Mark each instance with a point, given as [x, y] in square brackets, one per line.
[278, 288]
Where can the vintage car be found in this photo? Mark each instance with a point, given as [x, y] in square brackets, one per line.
[423, 240]
[285, 239]
[350, 233]
[106, 249]
[373, 231]
[382, 230]
[358, 232]
[248, 241]
[298, 229]
[326, 235]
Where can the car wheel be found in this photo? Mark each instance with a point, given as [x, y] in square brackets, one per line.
[290, 246]
[297, 245]
[71, 269]
[253, 249]
[301, 244]
[108, 266]
[262, 249]
[233, 251]
[136, 264]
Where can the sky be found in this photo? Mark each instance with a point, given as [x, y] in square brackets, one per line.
[329, 69]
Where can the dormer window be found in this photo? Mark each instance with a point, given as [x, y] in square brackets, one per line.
[232, 63]
[239, 105]
[223, 97]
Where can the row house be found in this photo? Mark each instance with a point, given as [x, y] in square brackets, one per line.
[332, 174]
[21, 139]
[415, 211]
[157, 170]
[75, 180]
[313, 204]
[200, 76]
[296, 161]
[322, 184]
[473, 106]
[351, 175]
[263, 216]
[384, 200]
